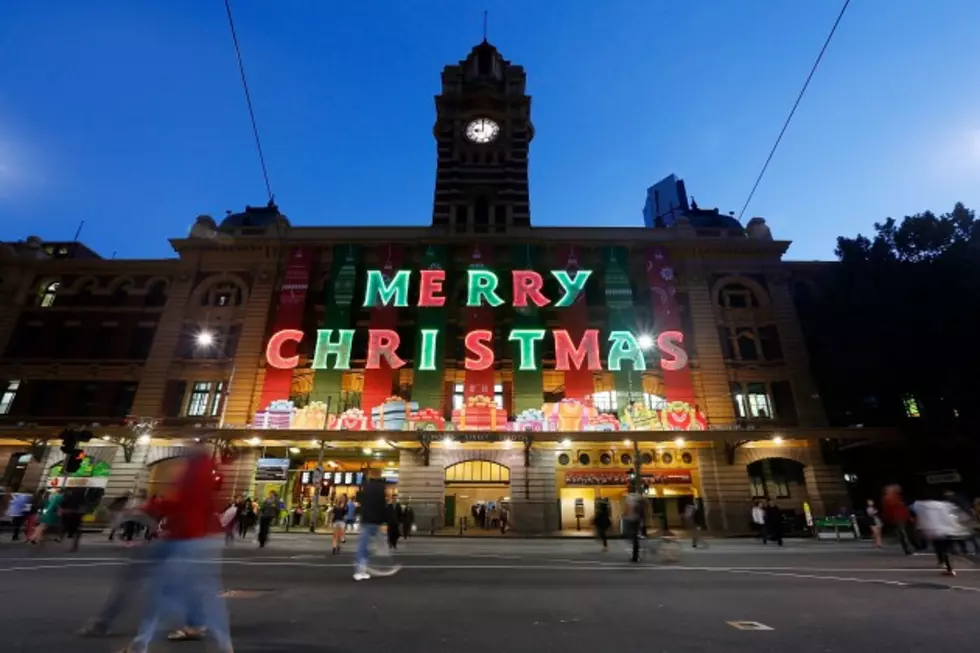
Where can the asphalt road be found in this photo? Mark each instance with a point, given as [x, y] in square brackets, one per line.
[524, 595]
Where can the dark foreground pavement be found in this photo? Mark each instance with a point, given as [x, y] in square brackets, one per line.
[509, 595]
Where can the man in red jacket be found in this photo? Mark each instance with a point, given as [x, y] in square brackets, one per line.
[190, 533]
[895, 512]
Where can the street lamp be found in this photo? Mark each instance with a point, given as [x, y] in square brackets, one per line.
[204, 338]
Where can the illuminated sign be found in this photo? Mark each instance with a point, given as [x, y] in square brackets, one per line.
[332, 349]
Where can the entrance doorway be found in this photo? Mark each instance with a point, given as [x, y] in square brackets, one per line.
[477, 490]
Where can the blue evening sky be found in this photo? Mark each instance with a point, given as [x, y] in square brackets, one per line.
[129, 114]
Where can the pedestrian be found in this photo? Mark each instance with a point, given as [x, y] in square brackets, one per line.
[229, 520]
[408, 519]
[337, 514]
[191, 535]
[373, 515]
[504, 519]
[773, 525]
[267, 514]
[875, 522]
[633, 523]
[49, 517]
[602, 523]
[896, 513]
[393, 524]
[351, 517]
[17, 510]
[759, 520]
[690, 523]
[72, 511]
[940, 524]
[116, 508]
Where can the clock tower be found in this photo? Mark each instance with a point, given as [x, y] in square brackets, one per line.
[483, 130]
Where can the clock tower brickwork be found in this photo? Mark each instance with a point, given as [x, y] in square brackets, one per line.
[482, 187]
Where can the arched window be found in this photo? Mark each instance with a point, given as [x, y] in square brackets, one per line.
[477, 471]
[156, 295]
[222, 295]
[84, 296]
[121, 294]
[735, 295]
[48, 294]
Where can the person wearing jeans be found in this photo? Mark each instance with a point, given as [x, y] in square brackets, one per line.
[373, 513]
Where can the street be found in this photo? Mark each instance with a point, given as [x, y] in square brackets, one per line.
[524, 595]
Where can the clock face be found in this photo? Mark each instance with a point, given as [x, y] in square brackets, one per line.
[482, 130]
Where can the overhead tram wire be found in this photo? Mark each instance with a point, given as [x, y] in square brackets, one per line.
[796, 104]
[248, 101]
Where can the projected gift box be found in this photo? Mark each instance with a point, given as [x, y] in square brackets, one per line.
[480, 414]
[426, 419]
[392, 414]
[604, 422]
[569, 415]
[352, 419]
[312, 417]
[278, 414]
[531, 419]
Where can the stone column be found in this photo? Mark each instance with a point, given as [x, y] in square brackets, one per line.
[808, 404]
[153, 382]
[715, 396]
[423, 486]
[533, 495]
[245, 385]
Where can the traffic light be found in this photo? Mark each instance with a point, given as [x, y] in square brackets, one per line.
[74, 461]
[71, 439]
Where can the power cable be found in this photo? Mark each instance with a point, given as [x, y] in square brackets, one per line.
[248, 100]
[789, 118]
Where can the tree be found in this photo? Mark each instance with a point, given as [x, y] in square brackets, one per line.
[900, 318]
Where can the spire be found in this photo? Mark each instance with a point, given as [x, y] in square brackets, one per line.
[485, 25]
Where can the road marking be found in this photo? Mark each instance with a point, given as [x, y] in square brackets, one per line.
[748, 625]
[39, 567]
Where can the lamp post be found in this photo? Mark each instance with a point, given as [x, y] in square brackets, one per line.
[646, 343]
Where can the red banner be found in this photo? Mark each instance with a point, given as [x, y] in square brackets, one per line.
[378, 382]
[289, 315]
[480, 382]
[678, 384]
[621, 477]
[579, 383]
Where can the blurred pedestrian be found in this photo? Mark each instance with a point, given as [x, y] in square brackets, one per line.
[773, 523]
[896, 513]
[337, 514]
[393, 525]
[373, 514]
[49, 517]
[602, 523]
[267, 514]
[875, 522]
[759, 520]
[940, 524]
[188, 570]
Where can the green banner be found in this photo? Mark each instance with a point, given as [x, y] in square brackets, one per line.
[428, 385]
[340, 297]
[621, 317]
[528, 384]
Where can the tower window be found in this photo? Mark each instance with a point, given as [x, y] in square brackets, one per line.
[48, 294]
[7, 400]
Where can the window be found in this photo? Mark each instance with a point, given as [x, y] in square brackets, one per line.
[758, 485]
[125, 393]
[772, 349]
[197, 406]
[218, 399]
[908, 402]
[606, 402]
[736, 295]
[156, 295]
[458, 401]
[498, 394]
[459, 395]
[9, 394]
[748, 349]
[477, 471]
[753, 403]
[48, 294]
[222, 295]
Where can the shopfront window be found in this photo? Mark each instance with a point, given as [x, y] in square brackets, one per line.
[459, 395]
